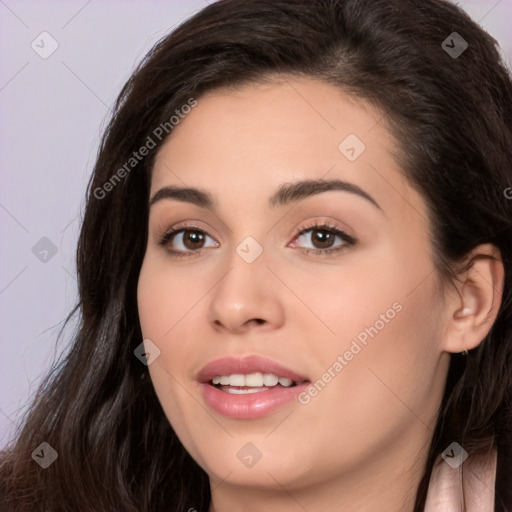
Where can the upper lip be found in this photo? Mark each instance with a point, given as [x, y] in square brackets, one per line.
[246, 365]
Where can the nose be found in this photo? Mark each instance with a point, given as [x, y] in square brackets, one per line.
[246, 298]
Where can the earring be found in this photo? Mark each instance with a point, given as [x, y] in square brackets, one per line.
[464, 352]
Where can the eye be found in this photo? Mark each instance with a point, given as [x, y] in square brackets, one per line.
[322, 237]
[186, 241]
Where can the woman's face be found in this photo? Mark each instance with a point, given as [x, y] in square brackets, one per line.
[311, 261]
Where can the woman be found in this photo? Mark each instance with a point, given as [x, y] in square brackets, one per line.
[294, 273]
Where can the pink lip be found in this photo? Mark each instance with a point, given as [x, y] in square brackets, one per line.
[253, 405]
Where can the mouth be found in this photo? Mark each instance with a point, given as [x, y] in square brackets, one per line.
[249, 387]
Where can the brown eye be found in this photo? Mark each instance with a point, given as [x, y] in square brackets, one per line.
[193, 239]
[322, 239]
[186, 241]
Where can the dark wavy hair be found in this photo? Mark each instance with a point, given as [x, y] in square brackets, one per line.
[452, 118]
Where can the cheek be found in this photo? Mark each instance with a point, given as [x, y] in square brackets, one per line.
[357, 296]
[166, 298]
[384, 359]
[168, 306]
[385, 324]
[166, 302]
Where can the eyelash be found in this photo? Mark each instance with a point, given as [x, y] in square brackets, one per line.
[320, 226]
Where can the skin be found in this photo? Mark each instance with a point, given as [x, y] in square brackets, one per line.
[362, 441]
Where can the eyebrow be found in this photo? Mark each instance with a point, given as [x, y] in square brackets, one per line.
[285, 194]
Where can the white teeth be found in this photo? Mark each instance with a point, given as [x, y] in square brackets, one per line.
[270, 380]
[285, 382]
[235, 391]
[237, 380]
[254, 380]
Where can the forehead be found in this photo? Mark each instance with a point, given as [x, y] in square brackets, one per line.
[250, 139]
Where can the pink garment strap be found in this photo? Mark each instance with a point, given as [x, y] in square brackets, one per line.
[468, 488]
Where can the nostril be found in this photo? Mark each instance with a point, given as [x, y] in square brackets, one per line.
[254, 321]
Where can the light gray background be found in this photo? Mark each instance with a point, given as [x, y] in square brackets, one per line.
[52, 114]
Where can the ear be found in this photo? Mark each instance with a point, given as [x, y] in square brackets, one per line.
[473, 305]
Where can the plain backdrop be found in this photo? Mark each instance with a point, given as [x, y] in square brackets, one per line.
[53, 108]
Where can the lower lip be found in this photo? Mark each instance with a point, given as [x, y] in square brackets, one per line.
[251, 405]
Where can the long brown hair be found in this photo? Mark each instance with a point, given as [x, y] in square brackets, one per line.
[452, 116]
